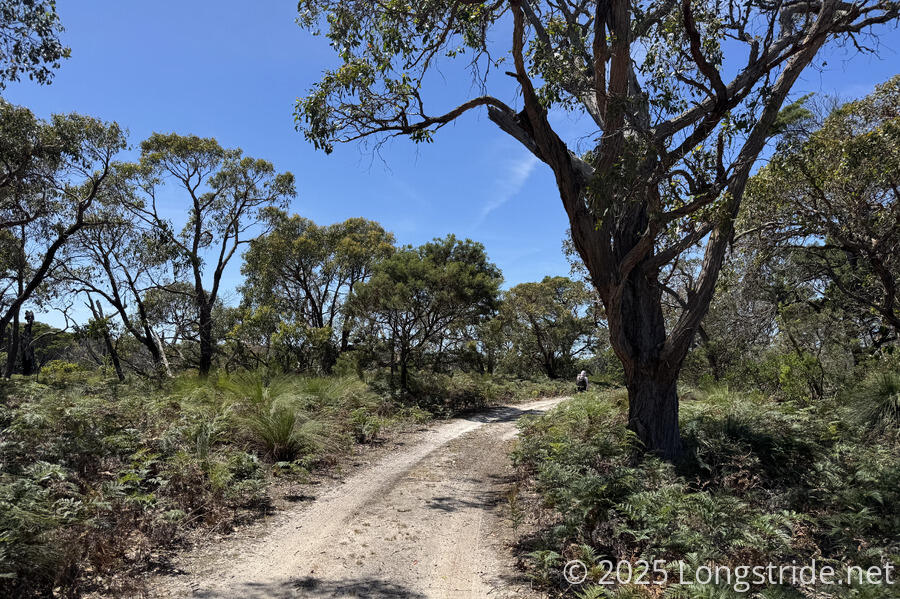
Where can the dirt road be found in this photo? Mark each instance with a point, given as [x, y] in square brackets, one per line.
[422, 522]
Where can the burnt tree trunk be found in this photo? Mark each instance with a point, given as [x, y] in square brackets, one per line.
[12, 346]
[27, 345]
[206, 338]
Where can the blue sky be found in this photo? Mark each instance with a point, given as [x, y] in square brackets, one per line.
[233, 70]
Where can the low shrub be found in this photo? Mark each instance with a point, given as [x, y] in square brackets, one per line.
[763, 482]
[444, 395]
[95, 474]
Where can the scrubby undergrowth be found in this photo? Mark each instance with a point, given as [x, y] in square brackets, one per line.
[96, 476]
[764, 482]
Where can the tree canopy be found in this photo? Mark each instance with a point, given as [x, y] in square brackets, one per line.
[550, 323]
[419, 294]
[226, 194]
[51, 174]
[29, 40]
[833, 196]
[678, 99]
[306, 273]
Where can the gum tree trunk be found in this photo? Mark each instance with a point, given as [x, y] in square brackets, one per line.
[638, 336]
[653, 414]
[27, 345]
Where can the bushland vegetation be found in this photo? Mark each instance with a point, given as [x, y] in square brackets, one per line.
[790, 397]
[742, 317]
[152, 408]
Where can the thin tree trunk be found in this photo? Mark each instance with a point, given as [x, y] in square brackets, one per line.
[404, 366]
[12, 347]
[206, 342]
[97, 308]
[404, 373]
[114, 356]
[27, 345]
[393, 361]
[163, 359]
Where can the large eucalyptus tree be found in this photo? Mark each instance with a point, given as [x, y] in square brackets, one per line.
[679, 98]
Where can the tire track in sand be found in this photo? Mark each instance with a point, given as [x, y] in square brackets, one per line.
[420, 523]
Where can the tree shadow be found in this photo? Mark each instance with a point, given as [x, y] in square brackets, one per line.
[311, 587]
[299, 498]
[487, 500]
[499, 414]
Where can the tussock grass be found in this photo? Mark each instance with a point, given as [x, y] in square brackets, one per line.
[95, 473]
[877, 403]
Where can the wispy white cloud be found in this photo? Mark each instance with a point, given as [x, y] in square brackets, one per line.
[508, 185]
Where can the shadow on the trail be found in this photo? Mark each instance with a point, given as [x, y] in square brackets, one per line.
[484, 500]
[295, 498]
[453, 504]
[310, 587]
[369, 588]
[500, 414]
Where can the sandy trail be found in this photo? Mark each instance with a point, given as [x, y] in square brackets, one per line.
[423, 522]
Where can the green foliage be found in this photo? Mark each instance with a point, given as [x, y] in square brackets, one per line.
[679, 100]
[60, 368]
[764, 482]
[549, 324]
[792, 117]
[226, 194]
[32, 507]
[796, 375]
[29, 40]
[446, 396]
[877, 402]
[283, 432]
[829, 196]
[418, 295]
[365, 425]
[51, 173]
[305, 273]
[271, 418]
[96, 473]
[545, 563]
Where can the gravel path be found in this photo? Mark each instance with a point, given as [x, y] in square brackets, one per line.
[423, 522]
